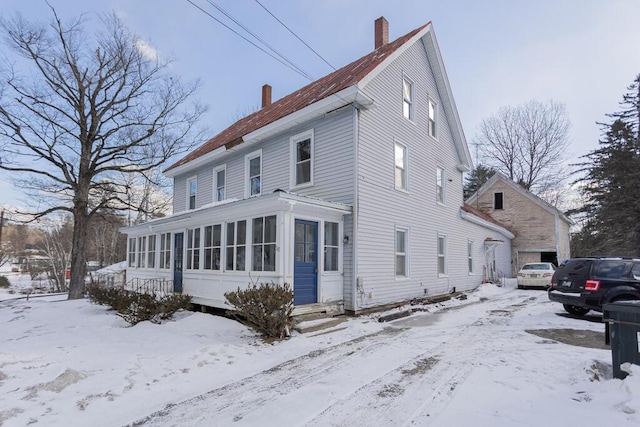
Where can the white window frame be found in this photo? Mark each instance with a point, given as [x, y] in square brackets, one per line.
[404, 168]
[331, 246]
[193, 249]
[442, 255]
[165, 251]
[233, 246]
[293, 145]
[432, 121]
[398, 253]
[411, 101]
[247, 178]
[258, 241]
[441, 185]
[470, 259]
[216, 184]
[193, 179]
[151, 252]
[212, 247]
[141, 259]
[494, 200]
[132, 252]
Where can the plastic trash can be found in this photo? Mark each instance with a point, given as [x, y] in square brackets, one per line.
[622, 325]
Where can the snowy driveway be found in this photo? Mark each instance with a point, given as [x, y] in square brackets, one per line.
[415, 371]
[461, 363]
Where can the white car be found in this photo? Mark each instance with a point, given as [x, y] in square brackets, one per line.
[536, 275]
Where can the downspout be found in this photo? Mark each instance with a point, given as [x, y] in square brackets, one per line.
[354, 212]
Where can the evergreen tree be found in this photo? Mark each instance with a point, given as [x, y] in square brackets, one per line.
[476, 178]
[609, 216]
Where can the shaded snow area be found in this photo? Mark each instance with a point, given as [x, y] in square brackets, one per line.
[459, 363]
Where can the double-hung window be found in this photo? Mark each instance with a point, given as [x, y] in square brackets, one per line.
[400, 152]
[165, 250]
[212, 247]
[407, 98]
[142, 249]
[401, 252]
[193, 249]
[192, 189]
[151, 251]
[433, 109]
[236, 245]
[440, 183]
[220, 183]
[263, 233]
[442, 254]
[331, 248]
[253, 173]
[132, 252]
[302, 159]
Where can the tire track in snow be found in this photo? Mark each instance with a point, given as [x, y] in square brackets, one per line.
[422, 375]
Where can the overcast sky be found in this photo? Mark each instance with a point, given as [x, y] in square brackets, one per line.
[583, 53]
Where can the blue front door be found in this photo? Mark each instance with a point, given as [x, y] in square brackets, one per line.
[178, 247]
[305, 266]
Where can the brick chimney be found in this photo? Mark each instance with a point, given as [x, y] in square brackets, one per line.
[381, 32]
[266, 95]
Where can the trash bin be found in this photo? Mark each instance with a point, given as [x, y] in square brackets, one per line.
[622, 324]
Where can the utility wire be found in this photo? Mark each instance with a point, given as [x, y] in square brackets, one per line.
[249, 41]
[292, 32]
[274, 50]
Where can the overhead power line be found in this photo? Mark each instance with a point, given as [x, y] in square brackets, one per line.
[283, 62]
[296, 36]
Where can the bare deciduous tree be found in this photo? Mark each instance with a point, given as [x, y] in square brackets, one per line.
[528, 143]
[85, 109]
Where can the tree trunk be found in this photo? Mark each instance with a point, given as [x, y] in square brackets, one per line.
[78, 261]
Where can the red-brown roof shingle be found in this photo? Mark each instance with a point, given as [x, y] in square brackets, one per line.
[326, 86]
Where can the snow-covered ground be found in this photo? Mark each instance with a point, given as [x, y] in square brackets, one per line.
[463, 362]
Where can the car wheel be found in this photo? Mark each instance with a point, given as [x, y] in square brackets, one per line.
[575, 310]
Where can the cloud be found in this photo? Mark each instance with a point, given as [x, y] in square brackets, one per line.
[147, 50]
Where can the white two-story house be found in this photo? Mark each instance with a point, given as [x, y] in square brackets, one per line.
[349, 189]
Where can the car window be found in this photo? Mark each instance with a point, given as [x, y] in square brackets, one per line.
[610, 269]
[535, 267]
[635, 270]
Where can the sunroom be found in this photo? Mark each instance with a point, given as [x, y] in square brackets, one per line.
[279, 237]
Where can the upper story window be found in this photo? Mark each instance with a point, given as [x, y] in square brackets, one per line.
[302, 159]
[440, 185]
[253, 173]
[401, 166]
[401, 252]
[498, 200]
[433, 109]
[331, 248]
[407, 98]
[192, 189]
[220, 183]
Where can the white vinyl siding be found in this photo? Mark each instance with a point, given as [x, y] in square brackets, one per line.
[302, 159]
[401, 161]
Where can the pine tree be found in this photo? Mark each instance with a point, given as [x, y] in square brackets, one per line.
[611, 210]
[476, 178]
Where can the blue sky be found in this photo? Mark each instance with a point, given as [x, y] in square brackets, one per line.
[582, 53]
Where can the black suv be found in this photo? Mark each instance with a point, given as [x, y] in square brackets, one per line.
[583, 284]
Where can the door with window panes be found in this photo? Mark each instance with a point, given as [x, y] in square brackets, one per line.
[305, 267]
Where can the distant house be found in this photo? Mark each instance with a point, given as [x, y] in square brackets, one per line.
[350, 189]
[541, 230]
